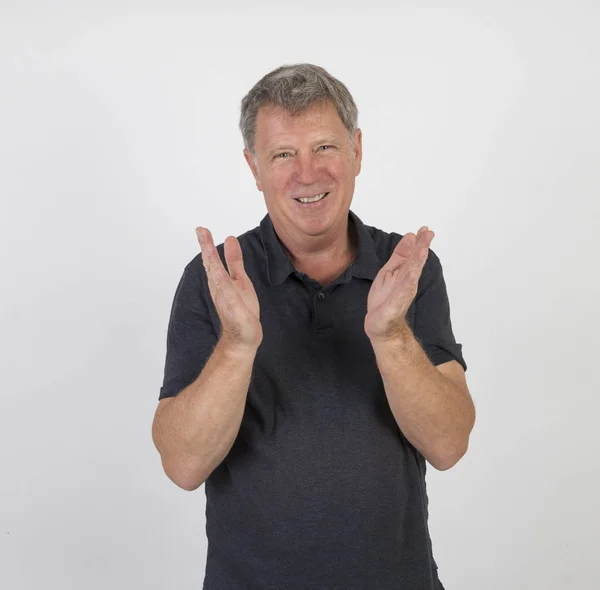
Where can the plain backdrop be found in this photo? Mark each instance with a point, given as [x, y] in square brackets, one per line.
[118, 136]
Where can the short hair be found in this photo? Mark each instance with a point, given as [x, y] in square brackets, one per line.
[295, 88]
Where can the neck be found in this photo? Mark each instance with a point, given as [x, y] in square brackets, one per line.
[321, 256]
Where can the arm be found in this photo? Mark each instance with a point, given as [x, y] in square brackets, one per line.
[204, 390]
[432, 406]
[195, 430]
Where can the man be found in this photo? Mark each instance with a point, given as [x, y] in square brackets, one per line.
[308, 383]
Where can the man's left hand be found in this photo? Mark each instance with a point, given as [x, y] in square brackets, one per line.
[395, 286]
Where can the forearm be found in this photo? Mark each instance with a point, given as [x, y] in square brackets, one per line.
[198, 427]
[433, 413]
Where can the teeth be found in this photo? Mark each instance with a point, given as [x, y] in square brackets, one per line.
[312, 199]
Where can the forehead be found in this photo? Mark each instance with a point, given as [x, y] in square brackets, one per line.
[273, 123]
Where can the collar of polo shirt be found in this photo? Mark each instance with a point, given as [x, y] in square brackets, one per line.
[279, 266]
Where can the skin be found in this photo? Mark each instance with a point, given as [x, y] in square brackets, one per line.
[395, 286]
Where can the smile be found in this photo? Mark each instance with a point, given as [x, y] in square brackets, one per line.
[314, 199]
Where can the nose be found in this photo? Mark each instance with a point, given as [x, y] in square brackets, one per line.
[306, 168]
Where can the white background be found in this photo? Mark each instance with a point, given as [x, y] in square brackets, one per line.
[118, 136]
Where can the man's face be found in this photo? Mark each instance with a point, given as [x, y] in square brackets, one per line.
[304, 156]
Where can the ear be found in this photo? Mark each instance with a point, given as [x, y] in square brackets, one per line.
[357, 151]
[252, 163]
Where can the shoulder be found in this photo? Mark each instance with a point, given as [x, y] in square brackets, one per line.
[383, 241]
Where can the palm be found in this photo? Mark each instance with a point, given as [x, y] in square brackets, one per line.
[231, 290]
[386, 286]
[395, 286]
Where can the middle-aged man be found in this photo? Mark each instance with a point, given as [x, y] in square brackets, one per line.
[309, 382]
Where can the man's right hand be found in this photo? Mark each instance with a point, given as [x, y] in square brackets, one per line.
[232, 292]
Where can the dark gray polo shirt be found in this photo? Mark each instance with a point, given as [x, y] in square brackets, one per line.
[320, 490]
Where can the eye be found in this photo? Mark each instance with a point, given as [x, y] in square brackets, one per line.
[282, 154]
[325, 146]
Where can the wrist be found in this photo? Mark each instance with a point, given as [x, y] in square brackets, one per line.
[236, 349]
[400, 334]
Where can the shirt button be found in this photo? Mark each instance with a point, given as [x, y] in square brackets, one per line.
[321, 295]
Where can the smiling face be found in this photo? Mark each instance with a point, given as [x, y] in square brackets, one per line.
[304, 156]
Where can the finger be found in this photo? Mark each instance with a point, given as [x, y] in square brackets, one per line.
[210, 257]
[217, 277]
[418, 260]
[426, 239]
[234, 258]
[409, 256]
[402, 252]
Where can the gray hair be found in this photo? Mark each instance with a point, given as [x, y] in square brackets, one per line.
[295, 88]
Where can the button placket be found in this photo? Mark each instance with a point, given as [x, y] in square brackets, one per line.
[322, 310]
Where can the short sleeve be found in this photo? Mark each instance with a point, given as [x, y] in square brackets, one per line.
[432, 325]
[191, 336]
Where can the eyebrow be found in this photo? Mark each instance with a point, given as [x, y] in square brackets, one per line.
[322, 140]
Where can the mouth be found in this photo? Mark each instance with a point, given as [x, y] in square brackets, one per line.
[312, 200]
